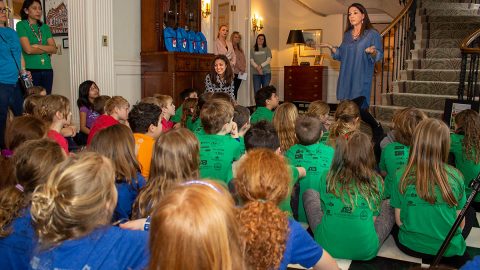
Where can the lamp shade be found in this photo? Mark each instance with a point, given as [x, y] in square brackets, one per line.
[295, 37]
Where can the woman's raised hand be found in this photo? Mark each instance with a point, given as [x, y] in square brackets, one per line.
[371, 50]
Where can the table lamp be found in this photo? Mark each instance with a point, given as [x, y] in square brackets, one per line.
[295, 37]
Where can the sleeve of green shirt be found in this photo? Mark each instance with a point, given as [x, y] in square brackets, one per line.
[21, 30]
[382, 165]
[46, 31]
[462, 197]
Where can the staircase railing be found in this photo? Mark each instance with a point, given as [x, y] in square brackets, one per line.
[470, 48]
[398, 40]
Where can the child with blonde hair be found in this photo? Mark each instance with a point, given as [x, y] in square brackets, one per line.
[395, 154]
[31, 104]
[346, 120]
[320, 109]
[175, 159]
[36, 90]
[351, 195]
[116, 112]
[118, 144]
[32, 163]
[71, 213]
[272, 239]
[284, 122]
[55, 111]
[428, 196]
[168, 110]
[193, 207]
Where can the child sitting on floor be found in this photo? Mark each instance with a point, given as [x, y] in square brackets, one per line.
[266, 100]
[116, 112]
[351, 195]
[117, 143]
[145, 122]
[71, 213]
[310, 154]
[220, 144]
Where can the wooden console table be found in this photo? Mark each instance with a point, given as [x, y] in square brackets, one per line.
[303, 83]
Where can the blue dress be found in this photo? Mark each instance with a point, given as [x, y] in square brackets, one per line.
[127, 193]
[356, 68]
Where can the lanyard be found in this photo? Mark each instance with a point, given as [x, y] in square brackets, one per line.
[39, 35]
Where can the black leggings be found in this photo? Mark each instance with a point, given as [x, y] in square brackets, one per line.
[455, 261]
[377, 130]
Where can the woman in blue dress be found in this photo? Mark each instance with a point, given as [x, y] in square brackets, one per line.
[360, 49]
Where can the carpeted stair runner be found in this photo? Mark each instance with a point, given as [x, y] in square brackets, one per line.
[433, 73]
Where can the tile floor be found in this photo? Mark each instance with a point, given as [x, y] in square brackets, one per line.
[391, 258]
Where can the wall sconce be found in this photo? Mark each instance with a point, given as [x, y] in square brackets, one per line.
[257, 23]
[206, 9]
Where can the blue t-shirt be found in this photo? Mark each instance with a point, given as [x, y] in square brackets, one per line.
[9, 43]
[301, 248]
[472, 265]
[104, 248]
[127, 193]
[16, 249]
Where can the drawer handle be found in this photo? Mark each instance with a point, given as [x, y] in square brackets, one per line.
[289, 85]
[290, 77]
[316, 70]
[316, 78]
[315, 85]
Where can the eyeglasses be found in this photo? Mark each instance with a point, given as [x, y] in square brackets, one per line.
[4, 10]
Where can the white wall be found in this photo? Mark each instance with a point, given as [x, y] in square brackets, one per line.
[127, 46]
[61, 70]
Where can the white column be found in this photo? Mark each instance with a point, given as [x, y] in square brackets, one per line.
[88, 22]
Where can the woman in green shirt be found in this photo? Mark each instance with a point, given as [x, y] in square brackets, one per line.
[352, 221]
[428, 196]
[37, 44]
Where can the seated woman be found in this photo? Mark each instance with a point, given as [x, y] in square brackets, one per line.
[272, 239]
[220, 77]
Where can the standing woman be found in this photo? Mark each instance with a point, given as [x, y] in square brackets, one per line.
[241, 64]
[37, 44]
[224, 46]
[220, 77]
[260, 59]
[10, 61]
[360, 49]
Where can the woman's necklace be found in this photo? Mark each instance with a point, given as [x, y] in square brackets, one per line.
[37, 35]
[355, 36]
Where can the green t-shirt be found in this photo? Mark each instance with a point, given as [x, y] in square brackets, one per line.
[217, 153]
[195, 127]
[346, 231]
[394, 156]
[315, 158]
[285, 204]
[425, 225]
[468, 168]
[260, 57]
[324, 138]
[261, 113]
[178, 115]
[34, 61]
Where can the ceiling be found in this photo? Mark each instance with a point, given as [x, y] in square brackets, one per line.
[327, 7]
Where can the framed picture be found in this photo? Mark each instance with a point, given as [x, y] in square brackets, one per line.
[453, 107]
[56, 16]
[65, 43]
[223, 14]
[312, 37]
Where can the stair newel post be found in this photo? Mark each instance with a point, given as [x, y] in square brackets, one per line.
[388, 63]
[411, 30]
[474, 89]
[403, 42]
[463, 71]
[395, 50]
[383, 70]
[473, 62]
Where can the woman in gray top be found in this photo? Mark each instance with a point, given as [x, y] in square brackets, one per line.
[260, 59]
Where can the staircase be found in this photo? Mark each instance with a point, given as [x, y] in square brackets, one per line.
[433, 73]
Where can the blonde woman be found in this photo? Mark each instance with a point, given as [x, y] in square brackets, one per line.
[284, 123]
[240, 66]
[71, 213]
[272, 239]
[223, 46]
[195, 227]
[428, 196]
